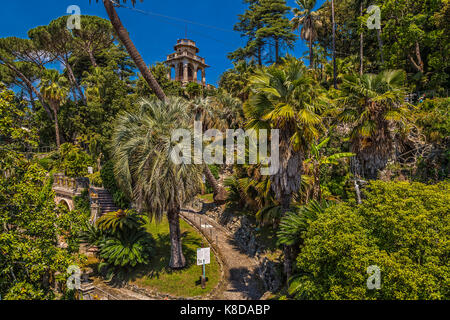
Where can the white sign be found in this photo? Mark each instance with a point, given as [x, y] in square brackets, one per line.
[90, 170]
[203, 256]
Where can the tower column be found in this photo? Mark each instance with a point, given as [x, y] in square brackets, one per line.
[177, 75]
[185, 72]
[195, 73]
[203, 77]
[169, 73]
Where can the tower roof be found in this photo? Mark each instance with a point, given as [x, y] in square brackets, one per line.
[186, 43]
[186, 49]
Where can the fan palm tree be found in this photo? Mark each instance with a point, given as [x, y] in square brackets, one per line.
[295, 224]
[231, 112]
[373, 105]
[124, 37]
[285, 97]
[235, 81]
[309, 21]
[54, 88]
[144, 168]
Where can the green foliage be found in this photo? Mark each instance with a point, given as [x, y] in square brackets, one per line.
[73, 161]
[122, 240]
[122, 220]
[193, 90]
[31, 226]
[126, 250]
[82, 203]
[432, 116]
[235, 81]
[24, 291]
[142, 159]
[264, 23]
[403, 228]
[14, 121]
[215, 170]
[295, 224]
[170, 87]
[96, 179]
[374, 105]
[109, 182]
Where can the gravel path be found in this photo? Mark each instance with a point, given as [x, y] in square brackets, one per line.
[239, 268]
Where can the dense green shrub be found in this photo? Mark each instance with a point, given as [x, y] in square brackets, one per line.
[109, 182]
[24, 291]
[96, 179]
[122, 240]
[47, 163]
[403, 228]
[73, 161]
[82, 203]
[432, 116]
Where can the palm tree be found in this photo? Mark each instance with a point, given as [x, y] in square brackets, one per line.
[235, 81]
[124, 37]
[285, 97]
[231, 112]
[361, 39]
[334, 44]
[373, 105]
[309, 20]
[209, 114]
[144, 168]
[54, 89]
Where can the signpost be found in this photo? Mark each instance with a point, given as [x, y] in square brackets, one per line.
[203, 258]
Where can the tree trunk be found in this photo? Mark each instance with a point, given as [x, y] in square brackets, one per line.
[287, 180]
[30, 85]
[92, 58]
[317, 192]
[124, 37]
[419, 64]
[58, 138]
[74, 81]
[374, 154]
[285, 183]
[311, 62]
[277, 50]
[259, 56]
[361, 45]
[30, 94]
[334, 45]
[220, 194]
[380, 44]
[177, 260]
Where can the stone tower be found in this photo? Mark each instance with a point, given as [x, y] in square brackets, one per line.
[187, 63]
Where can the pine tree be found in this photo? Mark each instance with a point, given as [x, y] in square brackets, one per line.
[264, 24]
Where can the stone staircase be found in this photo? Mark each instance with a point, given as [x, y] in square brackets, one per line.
[104, 201]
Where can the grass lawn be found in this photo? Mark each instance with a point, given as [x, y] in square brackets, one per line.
[208, 198]
[158, 276]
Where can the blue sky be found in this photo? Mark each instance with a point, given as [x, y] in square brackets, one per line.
[153, 36]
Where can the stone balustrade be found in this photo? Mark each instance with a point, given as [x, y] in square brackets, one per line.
[75, 185]
[185, 54]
